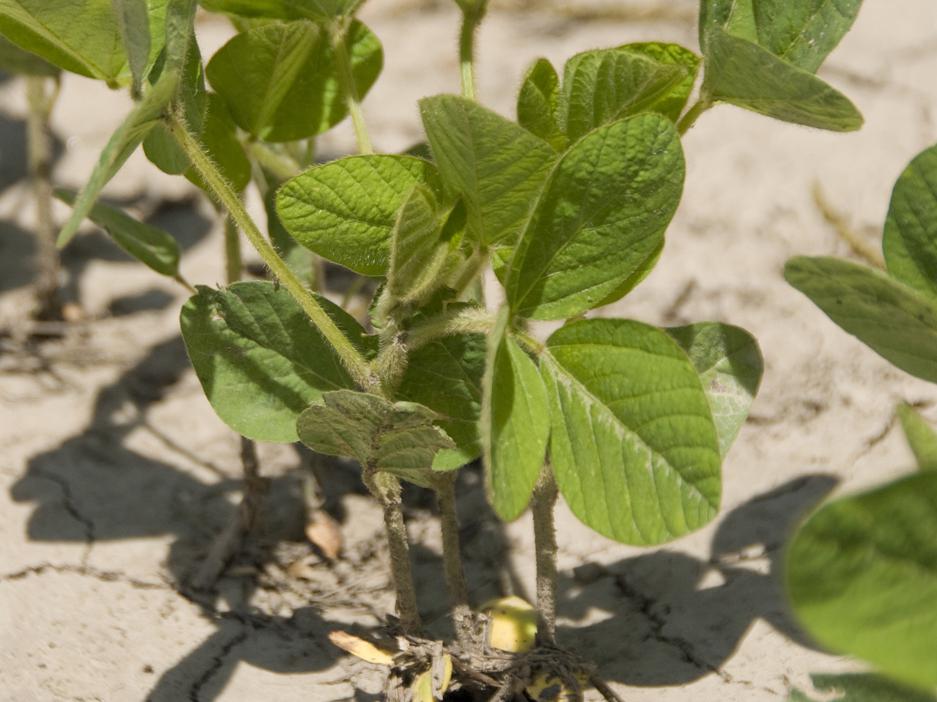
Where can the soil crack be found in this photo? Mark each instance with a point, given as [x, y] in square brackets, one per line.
[217, 663]
[68, 502]
[107, 576]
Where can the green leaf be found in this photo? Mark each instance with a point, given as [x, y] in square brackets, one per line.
[280, 81]
[862, 577]
[730, 367]
[398, 438]
[608, 84]
[81, 36]
[145, 115]
[154, 247]
[633, 444]
[600, 218]
[346, 210]
[921, 437]
[538, 104]
[259, 359]
[744, 74]
[16, 60]
[219, 137]
[894, 320]
[514, 424]
[861, 687]
[804, 32]
[319, 10]
[671, 104]
[417, 252]
[496, 166]
[737, 17]
[910, 241]
[133, 21]
[446, 376]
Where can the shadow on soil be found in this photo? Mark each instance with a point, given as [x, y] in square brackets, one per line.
[669, 618]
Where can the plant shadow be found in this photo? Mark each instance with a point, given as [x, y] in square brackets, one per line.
[668, 619]
[664, 618]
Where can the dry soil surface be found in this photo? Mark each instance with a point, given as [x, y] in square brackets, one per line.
[115, 474]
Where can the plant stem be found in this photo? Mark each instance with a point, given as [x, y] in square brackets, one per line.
[232, 251]
[350, 356]
[470, 22]
[281, 166]
[229, 542]
[542, 505]
[347, 80]
[452, 559]
[386, 489]
[48, 298]
[468, 273]
[461, 321]
[689, 119]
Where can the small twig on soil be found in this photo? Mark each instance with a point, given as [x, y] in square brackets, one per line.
[544, 500]
[844, 231]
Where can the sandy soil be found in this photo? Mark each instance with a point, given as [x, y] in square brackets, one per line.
[116, 474]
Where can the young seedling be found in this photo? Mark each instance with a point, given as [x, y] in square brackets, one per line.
[862, 571]
[627, 422]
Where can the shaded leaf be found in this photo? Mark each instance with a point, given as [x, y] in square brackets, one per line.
[280, 81]
[319, 10]
[446, 376]
[862, 577]
[910, 241]
[345, 210]
[806, 31]
[496, 166]
[219, 137]
[514, 424]
[154, 247]
[81, 36]
[538, 104]
[417, 251]
[145, 115]
[599, 220]
[744, 74]
[133, 22]
[894, 320]
[861, 687]
[673, 102]
[13, 59]
[633, 444]
[730, 367]
[608, 84]
[259, 359]
[394, 437]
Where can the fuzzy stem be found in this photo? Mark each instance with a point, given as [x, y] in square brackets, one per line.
[281, 166]
[462, 321]
[452, 559]
[352, 359]
[689, 119]
[386, 489]
[470, 22]
[544, 500]
[347, 80]
[469, 272]
[39, 147]
[232, 251]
